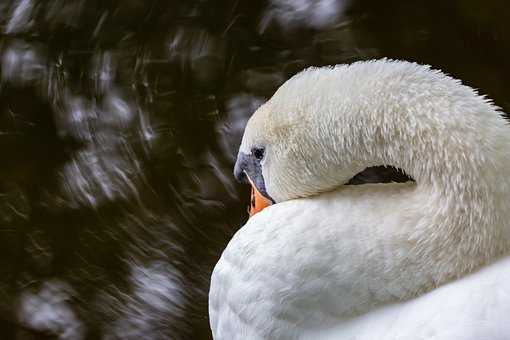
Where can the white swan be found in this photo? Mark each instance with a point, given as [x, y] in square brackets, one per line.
[423, 260]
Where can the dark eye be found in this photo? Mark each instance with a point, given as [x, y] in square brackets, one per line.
[258, 153]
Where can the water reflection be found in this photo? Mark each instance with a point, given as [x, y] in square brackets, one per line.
[119, 126]
[292, 14]
[156, 299]
[48, 309]
[106, 167]
[22, 63]
[20, 16]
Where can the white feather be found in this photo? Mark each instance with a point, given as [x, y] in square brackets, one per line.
[380, 261]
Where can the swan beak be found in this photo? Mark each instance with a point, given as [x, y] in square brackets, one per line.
[257, 202]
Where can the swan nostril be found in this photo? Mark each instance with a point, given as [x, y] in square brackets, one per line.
[240, 175]
[242, 178]
[242, 167]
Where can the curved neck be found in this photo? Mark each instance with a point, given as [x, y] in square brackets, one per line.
[460, 166]
[455, 219]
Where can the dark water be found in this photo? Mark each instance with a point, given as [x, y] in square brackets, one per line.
[119, 123]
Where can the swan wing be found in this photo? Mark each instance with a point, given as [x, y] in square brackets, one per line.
[476, 307]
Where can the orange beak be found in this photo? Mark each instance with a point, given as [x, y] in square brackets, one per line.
[257, 202]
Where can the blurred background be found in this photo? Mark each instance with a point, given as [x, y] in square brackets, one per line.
[119, 124]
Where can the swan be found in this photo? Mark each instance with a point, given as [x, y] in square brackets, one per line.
[417, 260]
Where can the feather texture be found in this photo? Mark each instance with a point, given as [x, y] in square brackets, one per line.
[365, 262]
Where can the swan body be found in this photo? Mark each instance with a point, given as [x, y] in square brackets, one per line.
[423, 260]
[476, 307]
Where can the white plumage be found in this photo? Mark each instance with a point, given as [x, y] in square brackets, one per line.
[424, 260]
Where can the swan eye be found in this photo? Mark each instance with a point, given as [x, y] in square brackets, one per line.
[258, 153]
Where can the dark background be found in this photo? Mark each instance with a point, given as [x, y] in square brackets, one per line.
[119, 123]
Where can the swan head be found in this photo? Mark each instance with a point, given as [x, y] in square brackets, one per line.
[323, 126]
